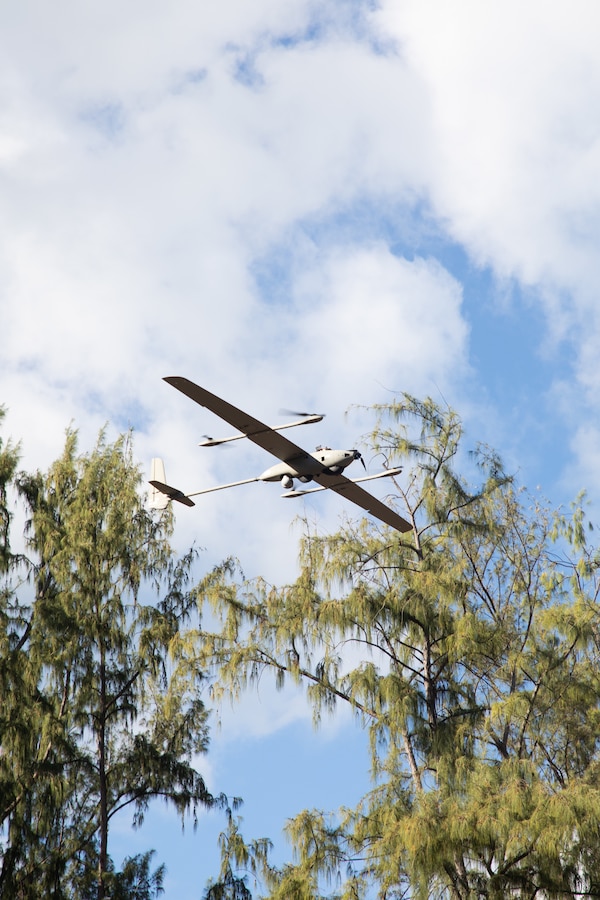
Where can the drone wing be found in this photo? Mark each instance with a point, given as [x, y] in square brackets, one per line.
[353, 492]
[255, 431]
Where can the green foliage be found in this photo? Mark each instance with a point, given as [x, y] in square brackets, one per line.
[136, 882]
[237, 855]
[9, 459]
[469, 649]
[96, 716]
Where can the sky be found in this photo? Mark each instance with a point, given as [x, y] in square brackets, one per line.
[301, 204]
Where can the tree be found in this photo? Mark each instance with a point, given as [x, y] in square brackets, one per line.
[479, 638]
[113, 722]
[23, 710]
[9, 675]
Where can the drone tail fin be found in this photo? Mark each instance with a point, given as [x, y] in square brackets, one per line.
[162, 493]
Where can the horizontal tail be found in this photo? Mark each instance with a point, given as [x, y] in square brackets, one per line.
[162, 493]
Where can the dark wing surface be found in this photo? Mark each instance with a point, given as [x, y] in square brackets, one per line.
[346, 488]
[172, 492]
[255, 431]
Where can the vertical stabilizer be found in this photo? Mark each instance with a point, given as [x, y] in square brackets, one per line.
[158, 500]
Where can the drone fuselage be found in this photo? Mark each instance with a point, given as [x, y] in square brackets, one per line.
[323, 460]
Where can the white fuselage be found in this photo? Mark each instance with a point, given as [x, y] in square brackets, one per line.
[324, 459]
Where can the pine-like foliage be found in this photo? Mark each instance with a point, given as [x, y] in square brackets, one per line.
[9, 460]
[95, 717]
[470, 650]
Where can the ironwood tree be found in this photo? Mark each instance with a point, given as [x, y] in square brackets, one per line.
[95, 718]
[9, 461]
[478, 636]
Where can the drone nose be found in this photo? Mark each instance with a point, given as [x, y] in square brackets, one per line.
[358, 456]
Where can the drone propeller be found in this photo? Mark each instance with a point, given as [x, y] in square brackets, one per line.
[303, 415]
[357, 455]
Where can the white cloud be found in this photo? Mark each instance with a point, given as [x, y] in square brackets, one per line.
[370, 318]
[513, 94]
[141, 191]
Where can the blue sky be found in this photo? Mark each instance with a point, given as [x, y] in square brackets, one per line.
[307, 205]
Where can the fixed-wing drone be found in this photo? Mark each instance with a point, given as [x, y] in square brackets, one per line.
[324, 467]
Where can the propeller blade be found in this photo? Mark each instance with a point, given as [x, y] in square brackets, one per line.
[357, 455]
[209, 441]
[295, 412]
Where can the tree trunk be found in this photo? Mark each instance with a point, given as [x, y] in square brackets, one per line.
[103, 786]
